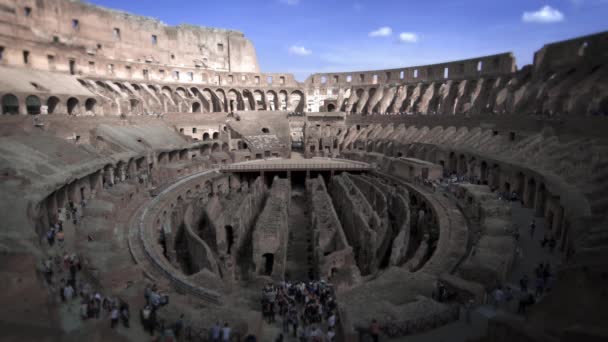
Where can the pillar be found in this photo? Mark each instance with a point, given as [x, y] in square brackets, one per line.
[558, 221]
[109, 175]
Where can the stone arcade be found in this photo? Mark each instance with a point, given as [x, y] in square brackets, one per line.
[408, 191]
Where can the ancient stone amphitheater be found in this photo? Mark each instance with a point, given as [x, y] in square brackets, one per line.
[409, 190]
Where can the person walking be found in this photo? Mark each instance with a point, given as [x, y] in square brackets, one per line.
[374, 330]
[226, 331]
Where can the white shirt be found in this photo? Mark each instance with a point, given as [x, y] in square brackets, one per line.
[331, 321]
[330, 335]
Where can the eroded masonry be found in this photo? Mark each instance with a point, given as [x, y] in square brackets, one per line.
[140, 158]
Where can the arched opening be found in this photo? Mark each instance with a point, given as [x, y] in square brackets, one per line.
[10, 104]
[265, 130]
[205, 150]
[89, 105]
[229, 238]
[540, 200]
[484, 172]
[51, 104]
[296, 101]
[452, 162]
[32, 105]
[531, 198]
[520, 185]
[73, 106]
[205, 136]
[134, 103]
[331, 107]
[215, 148]
[215, 136]
[268, 263]
[225, 148]
[196, 107]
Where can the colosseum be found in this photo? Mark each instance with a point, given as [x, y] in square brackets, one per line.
[157, 185]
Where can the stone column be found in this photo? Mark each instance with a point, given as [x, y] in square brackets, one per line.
[558, 220]
[109, 175]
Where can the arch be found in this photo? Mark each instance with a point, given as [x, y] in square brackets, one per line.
[296, 101]
[221, 95]
[205, 104]
[32, 104]
[331, 107]
[134, 106]
[196, 107]
[268, 263]
[484, 172]
[229, 237]
[215, 105]
[73, 106]
[51, 104]
[259, 99]
[215, 136]
[205, 136]
[234, 100]
[215, 148]
[272, 98]
[89, 105]
[283, 100]
[181, 92]
[248, 99]
[205, 149]
[10, 104]
[531, 188]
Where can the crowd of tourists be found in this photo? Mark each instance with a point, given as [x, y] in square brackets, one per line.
[306, 310]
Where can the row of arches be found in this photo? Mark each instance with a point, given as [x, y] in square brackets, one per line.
[151, 98]
[34, 105]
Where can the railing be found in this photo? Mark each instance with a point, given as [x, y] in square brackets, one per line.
[289, 166]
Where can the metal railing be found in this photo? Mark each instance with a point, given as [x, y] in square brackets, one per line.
[291, 166]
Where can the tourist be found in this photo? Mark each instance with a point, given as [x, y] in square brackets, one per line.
[374, 330]
[532, 228]
[552, 244]
[148, 319]
[50, 236]
[178, 326]
[499, 296]
[83, 309]
[114, 315]
[226, 332]
[316, 334]
[47, 269]
[216, 332]
[523, 283]
[540, 284]
[331, 335]
[60, 237]
[331, 320]
[124, 313]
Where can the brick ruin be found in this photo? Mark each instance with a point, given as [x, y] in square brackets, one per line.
[210, 178]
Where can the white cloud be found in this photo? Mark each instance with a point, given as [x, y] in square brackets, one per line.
[546, 14]
[384, 31]
[408, 37]
[299, 50]
[290, 2]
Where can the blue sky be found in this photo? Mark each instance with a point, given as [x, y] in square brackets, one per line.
[307, 36]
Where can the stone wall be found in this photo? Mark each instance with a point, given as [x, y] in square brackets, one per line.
[360, 222]
[75, 30]
[272, 231]
[334, 254]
